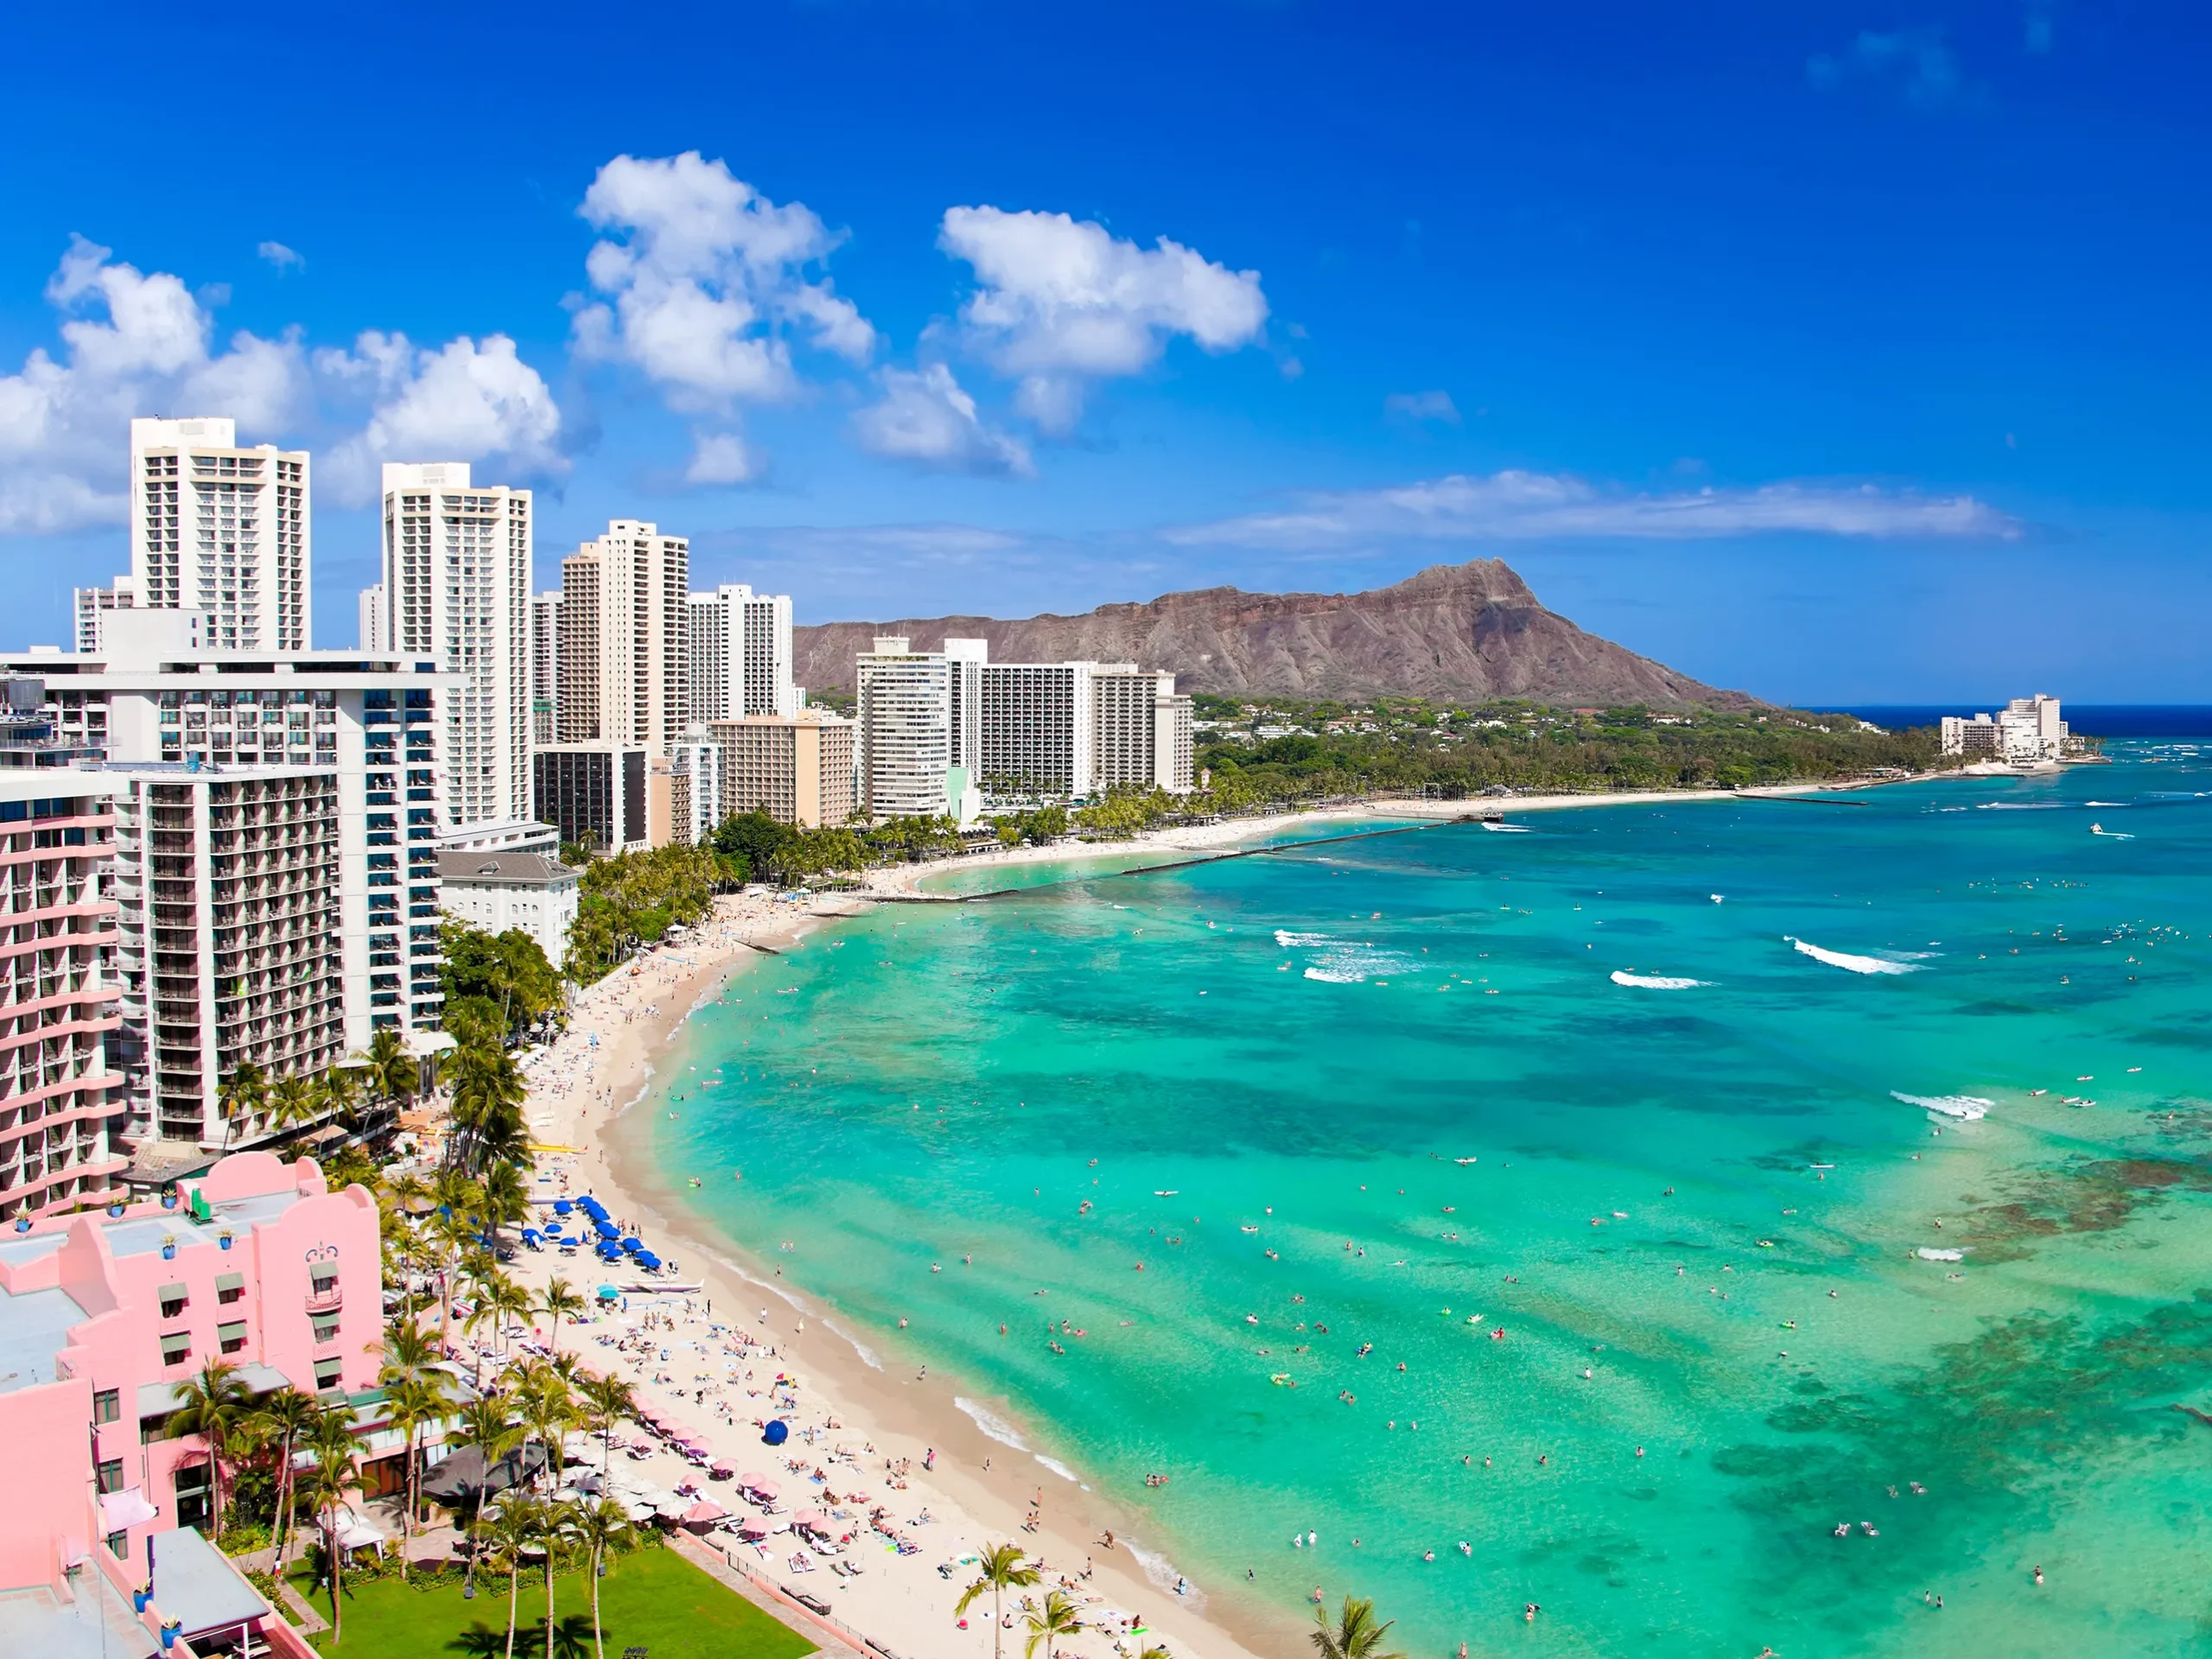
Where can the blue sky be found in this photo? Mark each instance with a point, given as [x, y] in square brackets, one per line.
[1836, 351]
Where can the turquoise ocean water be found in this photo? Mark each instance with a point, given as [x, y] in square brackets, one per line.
[1378, 1118]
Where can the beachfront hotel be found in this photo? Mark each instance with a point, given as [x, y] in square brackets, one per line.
[915, 748]
[798, 770]
[58, 1113]
[239, 778]
[102, 1314]
[1144, 731]
[593, 793]
[2028, 732]
[215, 529]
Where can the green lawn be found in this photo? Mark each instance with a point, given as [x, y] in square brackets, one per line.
[651, 1598]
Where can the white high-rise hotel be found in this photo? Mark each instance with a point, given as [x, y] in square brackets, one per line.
[215, 529]
[741, 652]
[456, 586]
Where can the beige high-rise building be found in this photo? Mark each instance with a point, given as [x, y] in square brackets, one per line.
[544, 664]
[798, 769]
[222, 530]
[1144, 733]
[456, 589]
[624, 670]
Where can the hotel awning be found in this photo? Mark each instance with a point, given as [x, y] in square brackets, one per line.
[159, 1399]
[233, 1331]
[174, 1292]
[229, 1282]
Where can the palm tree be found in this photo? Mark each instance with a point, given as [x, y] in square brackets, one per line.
[408, 1351]
[556, 1533]
[245, 1093]
[1057, 1617]
[483, 1423]
[325, 1488]
[549, 1411]
[415, 1403]
[514, 1528]
[502, 1200]
[213, 1405]
[1354, 1635]
[284, 1418]
[392, 1071]
[601, 1529]
[292, 1101]
[1001, 1569]
[338, 1089]
[605, 1400]
[562, 1301]
[488, 1091]
[514, 1303]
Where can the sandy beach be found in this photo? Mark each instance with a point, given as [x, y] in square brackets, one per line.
[895, 1436]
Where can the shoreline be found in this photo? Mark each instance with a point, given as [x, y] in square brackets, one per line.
[980, 1485]
[1225, 836]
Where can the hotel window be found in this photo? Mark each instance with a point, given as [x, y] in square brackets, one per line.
[177, 1348]
[111, 1473]
[174, 1301]
[230, 1287]
[326, 1330]
[232, 1336]
[119, 1545]
[327, 1372]
[107, 1404]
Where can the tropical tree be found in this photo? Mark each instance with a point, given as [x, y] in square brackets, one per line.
[562, 1301]
[408, 1351]
[488, 1091]
[486, 1424]
[1001, 1569]
[503, 1199]
[284, 1417]
[245, 1093]
[339, 1087]
[514, 1530]
[1057, 1617]
[604, 1402]
[601, 1529]
[325, 1488]
[414, 1403]
[556, 1535]
[214, 1404]
[1354, 1635]
[393, 1070]
[292, 1101]
[547, 1409]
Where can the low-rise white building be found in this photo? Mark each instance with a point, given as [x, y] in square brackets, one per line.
[534, 892]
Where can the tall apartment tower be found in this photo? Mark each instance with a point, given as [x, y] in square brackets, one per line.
[457, 587]
[741, 652]
[1144, 732]
[544, 664]
[623, 677]
[917, 728]
[222, 530]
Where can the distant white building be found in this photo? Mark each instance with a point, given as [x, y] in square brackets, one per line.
[544, 664]
[2028, 732]
[371, 619]
[222, 530]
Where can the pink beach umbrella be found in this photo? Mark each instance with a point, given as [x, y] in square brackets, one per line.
[750, 1481]
[811, 1521]
[703, 1514]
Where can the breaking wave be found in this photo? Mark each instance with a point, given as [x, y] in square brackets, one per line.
[1964, 1107]
[991, 1423]
[1656, 981]
[1856, 964]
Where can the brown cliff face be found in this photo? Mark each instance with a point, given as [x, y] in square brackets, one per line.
[1457, 634]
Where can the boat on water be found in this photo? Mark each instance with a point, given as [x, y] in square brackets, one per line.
[1167, 1192]
[1499, 827]
[2109, 835]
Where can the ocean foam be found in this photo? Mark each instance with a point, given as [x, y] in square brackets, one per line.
[1656, 981]
[1927, 1254]
[1966, 1108]
[1057, 1468]
[1291, 941]
[1161, 1572]
[1855, 964]
[991, 1423]
[867, 1354]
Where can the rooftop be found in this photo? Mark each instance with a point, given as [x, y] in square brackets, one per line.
[505, 869]
[98, 1624]
[192, 1582]
[34, 1326]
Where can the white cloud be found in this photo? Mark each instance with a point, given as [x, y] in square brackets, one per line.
[1916, 57]
[133, 343]
[467, 400]
[723, 458]
[281, 256]
[1527, 506]
[703, 282]
[926, 418]
[1422, 406]
[1060, 303]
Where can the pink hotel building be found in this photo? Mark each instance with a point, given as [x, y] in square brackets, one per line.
[102, 1314]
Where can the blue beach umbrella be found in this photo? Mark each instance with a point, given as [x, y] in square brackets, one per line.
[608, 1294]
[631, 1246]
[561, 1207]
[606, 1230]
[649, 1258]
[775, 1433]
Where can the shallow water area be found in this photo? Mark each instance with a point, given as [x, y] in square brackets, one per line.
[1611, 1211]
